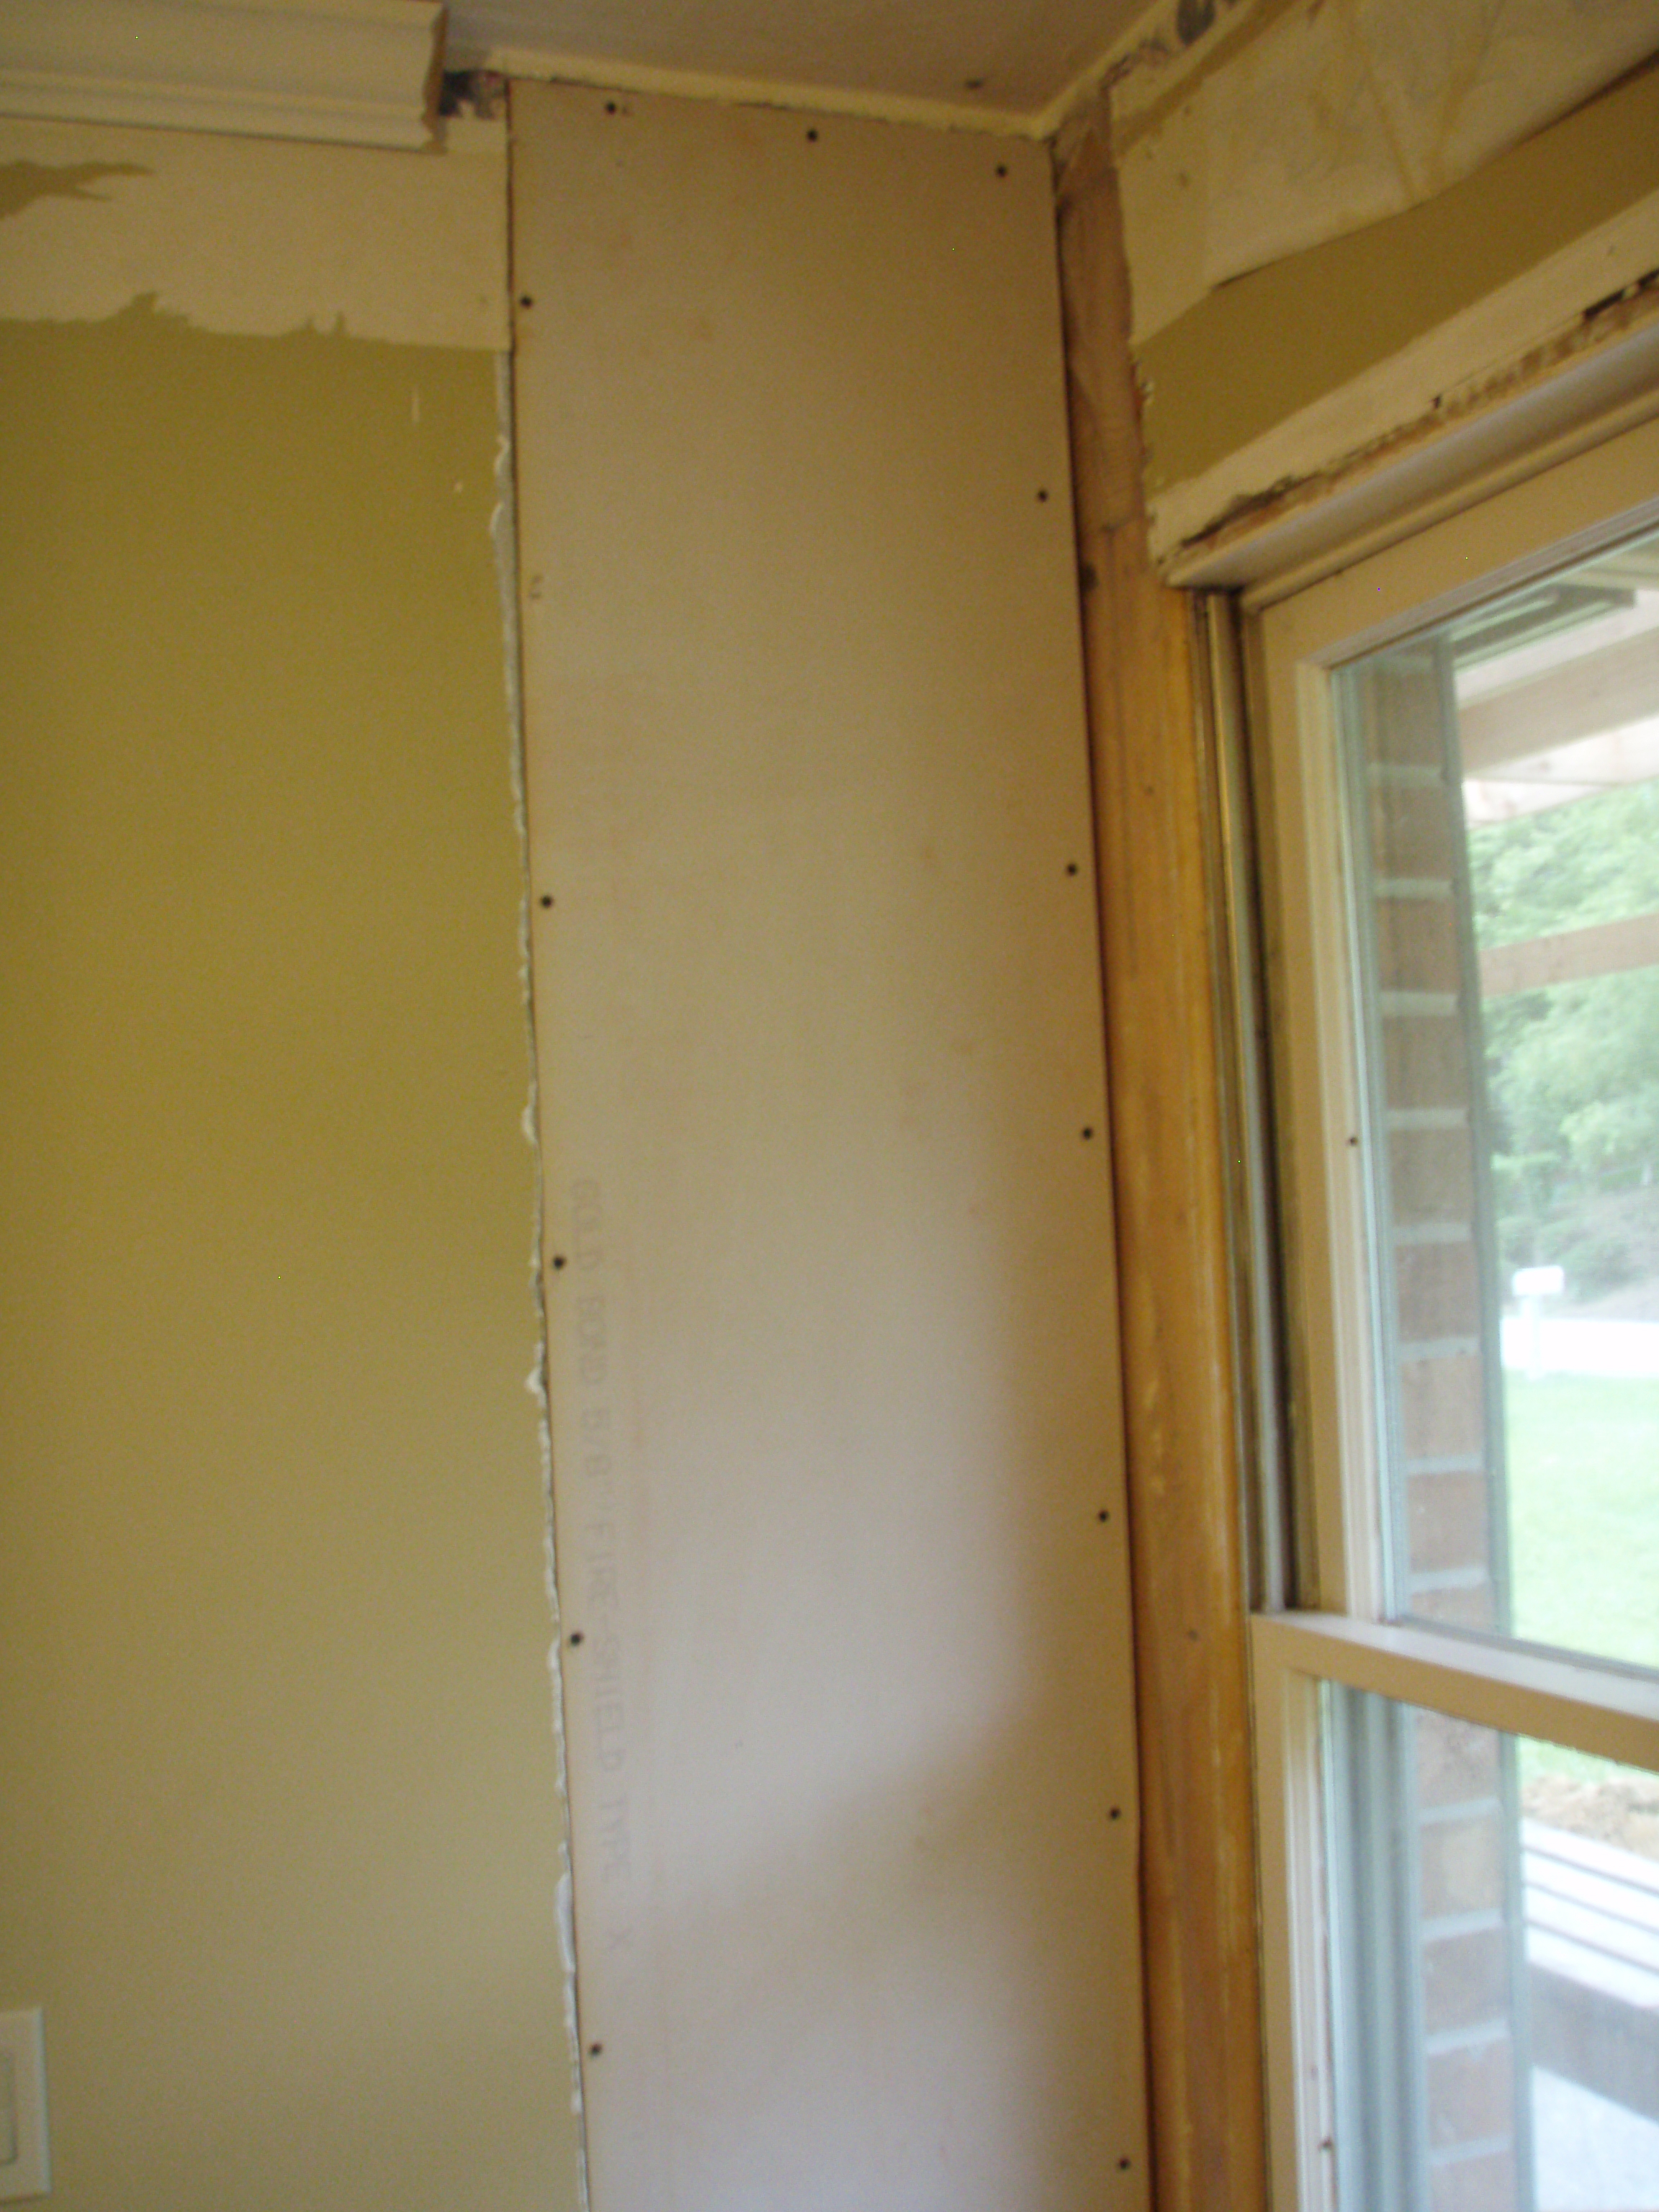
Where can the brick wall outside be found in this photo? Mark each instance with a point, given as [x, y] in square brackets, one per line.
[1444, 1419]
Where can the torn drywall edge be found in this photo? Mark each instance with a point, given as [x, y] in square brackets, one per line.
[504, 538]
[1479, 349]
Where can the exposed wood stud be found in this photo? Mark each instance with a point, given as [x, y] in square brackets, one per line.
[1197, 1850]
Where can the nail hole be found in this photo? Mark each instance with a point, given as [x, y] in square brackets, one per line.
[525, 299]
[596, 2050]
[1088, 1132]
[1103, 1515]
[611, 107]
[558, 1260]
[1124, 2165]
[811, 137]
[1002, 168]
[575, 1636]
[973, 84]
[1070, 869]
[1041, 496]
[1117, 1813]
[547, 896]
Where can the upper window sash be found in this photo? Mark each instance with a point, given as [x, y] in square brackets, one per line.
[1339, 1343]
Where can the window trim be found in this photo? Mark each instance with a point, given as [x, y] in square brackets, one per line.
[1561, 515]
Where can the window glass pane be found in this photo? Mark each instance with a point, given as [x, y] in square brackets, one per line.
[1495, 1914]
[1503, 777]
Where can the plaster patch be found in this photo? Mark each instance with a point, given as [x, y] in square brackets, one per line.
[257, 237]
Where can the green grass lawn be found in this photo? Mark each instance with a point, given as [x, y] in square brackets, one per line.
[1583, 1473]
[1583, 1477]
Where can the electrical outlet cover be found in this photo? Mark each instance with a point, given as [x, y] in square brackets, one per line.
[25, 2168]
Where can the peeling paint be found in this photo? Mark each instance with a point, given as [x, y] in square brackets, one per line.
[258, 237]
[22, 183]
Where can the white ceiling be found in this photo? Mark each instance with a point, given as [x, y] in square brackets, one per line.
[1008, 61]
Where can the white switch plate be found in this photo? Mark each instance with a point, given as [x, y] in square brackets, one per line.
[25, 2165]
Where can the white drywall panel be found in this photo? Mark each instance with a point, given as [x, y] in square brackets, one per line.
[839, 1506]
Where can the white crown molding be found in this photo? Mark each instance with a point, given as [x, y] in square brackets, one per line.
[354, 72]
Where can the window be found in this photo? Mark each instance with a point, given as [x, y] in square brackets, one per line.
[1458, 1713]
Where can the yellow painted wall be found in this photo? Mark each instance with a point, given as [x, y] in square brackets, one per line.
[281, 1832]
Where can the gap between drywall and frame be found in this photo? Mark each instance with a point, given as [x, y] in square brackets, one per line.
[504, 533]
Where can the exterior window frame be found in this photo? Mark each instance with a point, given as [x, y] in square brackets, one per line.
[1329, 1626]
